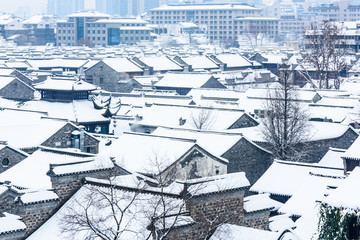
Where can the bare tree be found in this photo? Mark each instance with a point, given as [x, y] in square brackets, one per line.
[85, 42]
[324, 50]
[99, 213]
[253, 33]
[286, 122]
[202, 118]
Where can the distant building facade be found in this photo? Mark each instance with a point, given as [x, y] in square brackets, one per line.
[42, 28]
[98, 29]
[224, 22]
[340, 11]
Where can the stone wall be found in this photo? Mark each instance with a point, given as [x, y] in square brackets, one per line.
[258, 220]
[23, 78]
[108, 79]
[7, 201]
[91, 145]
[18, 90]
[195, 231]
[317, 149]
[246, 157]
[13, 156]
[33, 215]
[66, 185]
[221, 207]
[62, 139]
[13, 235]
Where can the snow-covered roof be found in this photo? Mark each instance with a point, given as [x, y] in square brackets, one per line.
[36, 19]
[234, 60]
[286, 178]
[313, 189]
[265, 93]
[228, 231]
[198, 93]
[140, 100]
[279, 222]
[123, 20]
[4, 81]
[57, 63]
[77, 111]
[353, 152]
[135, 220]
[183, 80]
[31, 172]
[11, 223]
[215, 184]
[169, 115]
[207, 139]
[259, 202]
[161, 63]
[28, 131]
[333, 158]
[65, 85]
[315, 131]
[155, 151]
[121, 65]
[334, 114]
[95, 164]
[200, 62]
[6, 71]
[38, 196]
[347, 194]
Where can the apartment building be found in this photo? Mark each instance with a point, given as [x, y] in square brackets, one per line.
[221, 21]
[338, 11]
[350, 34]
[99, 29]
[292, 25]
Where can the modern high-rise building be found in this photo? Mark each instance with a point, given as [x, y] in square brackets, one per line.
[61, 8]
[126, 7]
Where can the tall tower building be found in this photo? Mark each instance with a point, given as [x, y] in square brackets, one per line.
[61, 8]
[126, 7]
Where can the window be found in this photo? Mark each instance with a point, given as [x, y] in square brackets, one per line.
[101, 80]
[5, 162]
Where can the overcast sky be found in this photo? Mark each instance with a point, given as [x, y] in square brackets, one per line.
[30, 7]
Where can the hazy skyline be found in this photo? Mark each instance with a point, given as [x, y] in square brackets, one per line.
[31, 7]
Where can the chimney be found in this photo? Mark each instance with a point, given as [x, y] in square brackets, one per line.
[82, 138]
[182, 121]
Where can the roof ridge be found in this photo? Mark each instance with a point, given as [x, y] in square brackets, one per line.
[161, 136]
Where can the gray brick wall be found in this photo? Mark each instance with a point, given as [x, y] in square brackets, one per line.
[34, 215]
[16, 89]
[246, 157]
[14, 158]
[110, 78]
[62, 139]
[243, 122]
